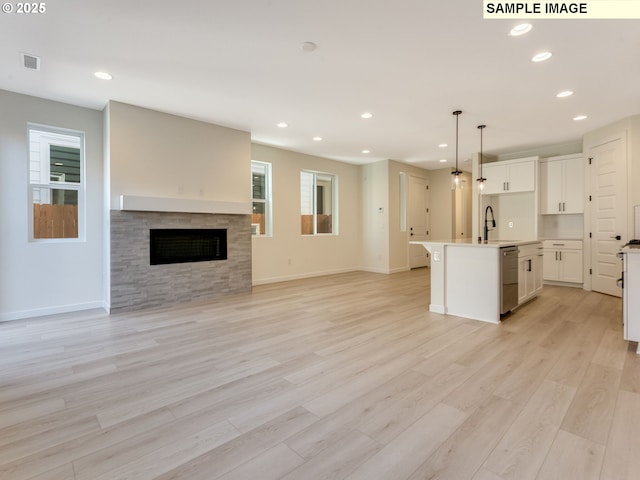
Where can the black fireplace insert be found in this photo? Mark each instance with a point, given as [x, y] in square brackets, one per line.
[182, 245]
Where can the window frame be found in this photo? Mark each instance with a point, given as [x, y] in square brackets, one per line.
[267, 201]
[47, 136]
[334, 202]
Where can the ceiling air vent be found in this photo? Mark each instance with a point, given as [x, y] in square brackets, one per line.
[30, 61]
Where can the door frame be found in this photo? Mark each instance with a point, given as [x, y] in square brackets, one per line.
[407, 213]
[587, 245]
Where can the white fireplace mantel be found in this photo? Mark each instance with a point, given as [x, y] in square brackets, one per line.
[182, 205]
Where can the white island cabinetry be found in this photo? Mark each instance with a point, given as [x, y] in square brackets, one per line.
[530, 267]
[631, 294]
[466, 277]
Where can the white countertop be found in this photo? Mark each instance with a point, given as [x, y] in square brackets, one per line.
[467, 242]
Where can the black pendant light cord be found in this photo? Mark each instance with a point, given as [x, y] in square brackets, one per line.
[457, 114]
[481, 179]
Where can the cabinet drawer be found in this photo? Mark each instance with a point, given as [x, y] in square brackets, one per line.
[529, 249]
[562, 244]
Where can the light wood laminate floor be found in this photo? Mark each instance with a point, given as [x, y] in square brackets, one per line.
[340, 377]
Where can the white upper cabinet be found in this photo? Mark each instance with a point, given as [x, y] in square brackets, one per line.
[510, 176]
[562, 185]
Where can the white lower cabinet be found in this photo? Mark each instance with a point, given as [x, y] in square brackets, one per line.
[630, 297]
[563, 261]
[530, 270]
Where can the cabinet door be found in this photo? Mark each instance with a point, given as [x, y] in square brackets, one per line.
[522, 278]
[551, 185]
[521, 177]
[573, 183]
[496, 176]
[526, 278]
[550, 265]
[631, 301]
[538, 272]
[571, 265]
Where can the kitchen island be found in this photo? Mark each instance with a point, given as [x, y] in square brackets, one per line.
[466, 276]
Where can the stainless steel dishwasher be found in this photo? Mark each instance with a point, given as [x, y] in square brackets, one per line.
[508, 278]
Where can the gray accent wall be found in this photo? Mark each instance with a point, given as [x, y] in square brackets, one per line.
[135, 284]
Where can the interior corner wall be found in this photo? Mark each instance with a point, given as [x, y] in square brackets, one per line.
[288, 255]
[441, 204]
[47, 277]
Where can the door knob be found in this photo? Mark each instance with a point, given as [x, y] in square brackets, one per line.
[617, 237]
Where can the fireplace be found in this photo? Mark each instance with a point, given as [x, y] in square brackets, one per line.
[183, 245]
[136, 283]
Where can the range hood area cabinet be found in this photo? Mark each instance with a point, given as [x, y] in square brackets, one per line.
[510, 176]
[562, 185]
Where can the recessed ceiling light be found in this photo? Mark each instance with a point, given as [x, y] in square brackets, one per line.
[283, 125]
[541, 57]
[580, 117]
[103, 75]
[443, 160]
[366, 115]
[520, 29]
[566, 93]
[317, 139]
[366, 151]
[443, 145]
[308, 47]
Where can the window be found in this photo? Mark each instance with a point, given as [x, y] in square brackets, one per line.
[261, 195]
[56, 183]
[318, 202]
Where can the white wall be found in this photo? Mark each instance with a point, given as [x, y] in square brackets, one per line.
[441, 204]
[546, 151]
[161, 155]
[288, 254]
[39, 278]
[375, 217]
[399, 240]
[515, 215]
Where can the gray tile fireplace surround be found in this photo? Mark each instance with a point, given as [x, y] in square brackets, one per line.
[135, 284]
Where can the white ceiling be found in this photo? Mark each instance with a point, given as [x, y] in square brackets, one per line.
[239, 63]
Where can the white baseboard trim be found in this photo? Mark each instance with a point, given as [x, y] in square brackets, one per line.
[374, 270]
[300, 276]
[286, 278]
[41, 312]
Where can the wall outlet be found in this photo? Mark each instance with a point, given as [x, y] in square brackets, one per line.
[510, 224]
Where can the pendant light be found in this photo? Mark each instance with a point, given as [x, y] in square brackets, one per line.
[455, 175]
[481, 179]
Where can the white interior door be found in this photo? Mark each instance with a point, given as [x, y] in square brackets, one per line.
[608, 213]
[418, 220]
